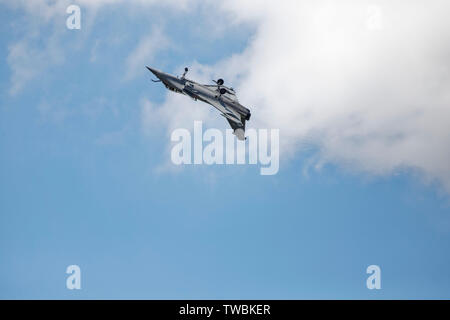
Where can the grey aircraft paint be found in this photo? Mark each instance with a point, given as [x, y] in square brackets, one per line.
[219, 96]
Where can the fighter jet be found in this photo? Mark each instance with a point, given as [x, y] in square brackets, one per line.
[219, 96]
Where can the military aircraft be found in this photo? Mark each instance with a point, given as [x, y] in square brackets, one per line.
[219, 96]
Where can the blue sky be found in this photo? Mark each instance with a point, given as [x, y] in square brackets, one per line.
[81, 179]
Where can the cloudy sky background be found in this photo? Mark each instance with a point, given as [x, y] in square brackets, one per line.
[358, 89]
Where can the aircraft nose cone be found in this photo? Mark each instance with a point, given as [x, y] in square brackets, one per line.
[154, 71]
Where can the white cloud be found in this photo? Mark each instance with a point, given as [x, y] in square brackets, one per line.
[373, 100]
[43, 25]
[145, 52]
[43, 9]
[28, 60]
[28, 57]
[23, 69]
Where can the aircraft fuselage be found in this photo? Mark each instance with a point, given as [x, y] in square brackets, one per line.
[206, 93]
